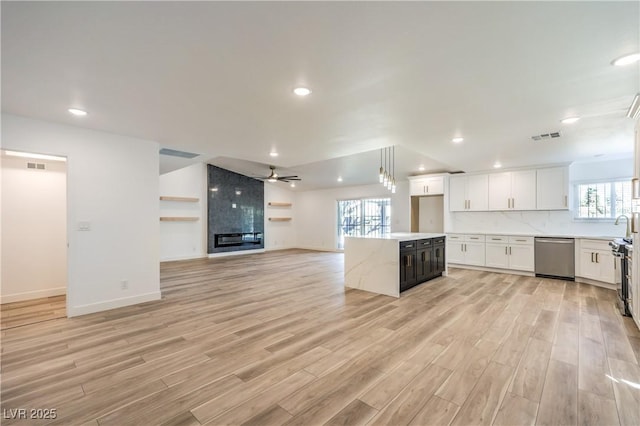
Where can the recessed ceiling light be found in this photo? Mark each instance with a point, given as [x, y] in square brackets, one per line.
[421, 168]
[273, 154]
[569, 120]
[302, 91]
[339, 178]
[457, 139]
[78, 112]
[293, 185]
[626, 60]
[238, 192]
[497, 165]
[35, 156]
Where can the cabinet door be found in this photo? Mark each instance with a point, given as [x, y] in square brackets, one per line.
[523, 190]
[500, 191]
[521, 257]
[438, 259]
[588, 266]
[478, 192]
[457, 193]
[455, 252]
[416, 187]
[552, 188]
[497, 255]
[424, 265]
[434, 185]
[606, 270]
[407, 270]
[474, 254]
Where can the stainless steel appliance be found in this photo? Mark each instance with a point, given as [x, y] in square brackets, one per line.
[555, 258]
[621, 250]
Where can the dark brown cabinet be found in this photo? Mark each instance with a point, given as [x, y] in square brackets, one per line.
[420, 261]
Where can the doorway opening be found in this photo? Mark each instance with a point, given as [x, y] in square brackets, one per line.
[33, 238]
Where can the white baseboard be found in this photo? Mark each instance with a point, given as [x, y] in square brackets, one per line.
[488, 269]
[191, 257]
[320, 249]
[74, 311]
[235, 253]
[596, 283]
[29, 295]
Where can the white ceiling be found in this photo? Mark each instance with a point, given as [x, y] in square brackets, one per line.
[215, 78]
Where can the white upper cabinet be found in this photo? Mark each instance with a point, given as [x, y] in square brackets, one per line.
[427, 186]
[512, 190]
[468, 193]
[553, 188]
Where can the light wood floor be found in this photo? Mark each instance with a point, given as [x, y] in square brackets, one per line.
[17, 314]
[275, 339]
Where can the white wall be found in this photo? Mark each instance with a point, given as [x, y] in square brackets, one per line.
[34, 220]
[184, 240]
[112, 183]
[279, 235]
[548, 222]
[316, 212]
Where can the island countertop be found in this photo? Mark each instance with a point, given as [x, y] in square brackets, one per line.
[403, 236]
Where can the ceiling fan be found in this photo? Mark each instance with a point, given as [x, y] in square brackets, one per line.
[274, 177]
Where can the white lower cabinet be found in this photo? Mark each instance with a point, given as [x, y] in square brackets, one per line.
[596, 261]
[465, 249]
[510, 252]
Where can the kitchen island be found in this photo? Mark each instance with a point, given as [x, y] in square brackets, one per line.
[393, 263]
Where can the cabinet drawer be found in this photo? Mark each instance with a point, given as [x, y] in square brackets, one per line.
[595, 244]
[521, 240]
[497, 238]
[455, 237]
[408, 245]
[439, 240]
[475, 238]
[424, 243]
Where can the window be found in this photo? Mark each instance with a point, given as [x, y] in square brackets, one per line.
[603, 200]
[371, 216]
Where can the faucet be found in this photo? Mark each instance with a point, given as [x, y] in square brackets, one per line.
[628, 234]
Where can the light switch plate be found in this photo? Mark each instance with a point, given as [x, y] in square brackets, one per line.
[84, 226]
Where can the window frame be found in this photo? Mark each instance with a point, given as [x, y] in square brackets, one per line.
[576, 198]
[362, 224]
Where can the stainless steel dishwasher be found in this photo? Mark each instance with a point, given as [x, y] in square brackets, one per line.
[555, 258]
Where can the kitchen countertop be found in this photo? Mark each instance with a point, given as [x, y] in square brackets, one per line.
[403, 236]
[531, 234]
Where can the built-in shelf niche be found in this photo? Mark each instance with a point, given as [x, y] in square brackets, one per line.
[279, 219]
[178, 219]
[186, 199]
[277, 204]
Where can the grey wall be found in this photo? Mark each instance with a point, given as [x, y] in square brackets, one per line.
[232, 212]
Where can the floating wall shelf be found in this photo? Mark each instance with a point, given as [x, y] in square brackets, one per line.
[279, 219]
[275, 204]
[178, 219]
[187, 199]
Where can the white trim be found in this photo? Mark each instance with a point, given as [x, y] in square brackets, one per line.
[602, 284]
[171, 259]
[234, 253]
[280, 248]
[74, 311]
[487, 269]
[320, 249]
[36, 294]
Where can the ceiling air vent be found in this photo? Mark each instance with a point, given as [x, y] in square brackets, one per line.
[36, 166]
[176, 153]
[544, 136]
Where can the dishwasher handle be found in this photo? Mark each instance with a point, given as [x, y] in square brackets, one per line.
[554, 241]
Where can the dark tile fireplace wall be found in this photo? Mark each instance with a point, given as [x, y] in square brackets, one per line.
[235, 211]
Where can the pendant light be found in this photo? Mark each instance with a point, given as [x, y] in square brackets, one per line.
[381, 169]
[393, 183]
[386, 174]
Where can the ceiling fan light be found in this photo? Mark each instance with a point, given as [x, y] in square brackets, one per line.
[272, 179]
[626, 60]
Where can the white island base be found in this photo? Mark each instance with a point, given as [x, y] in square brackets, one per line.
[373, 263]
